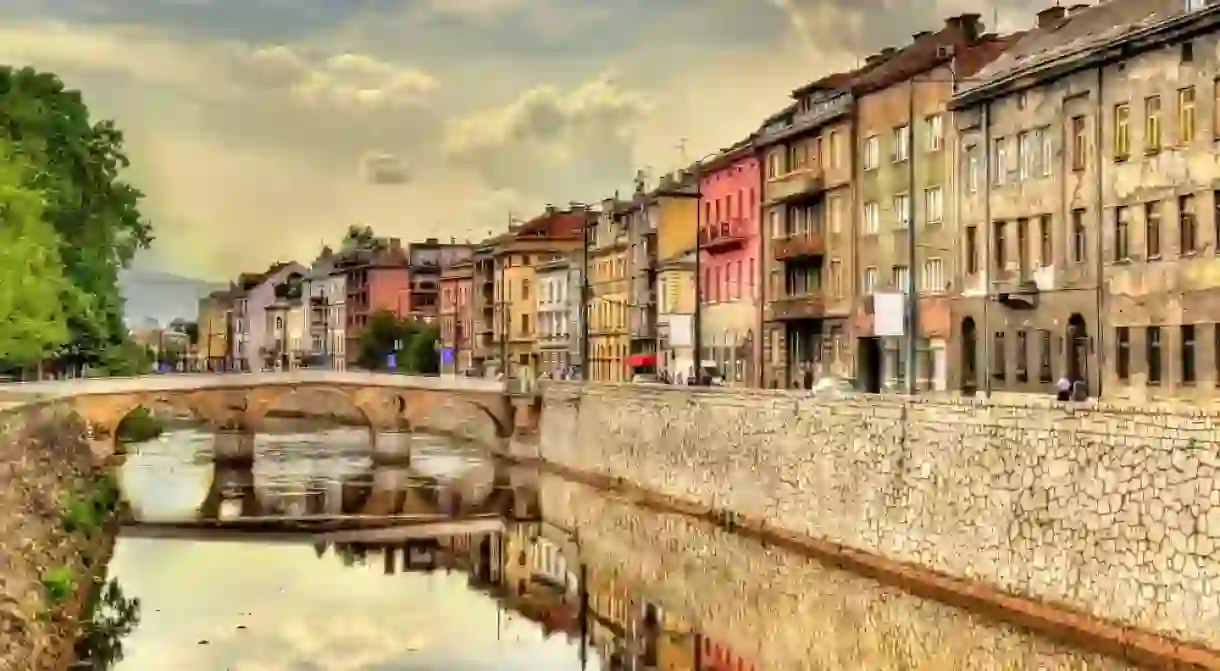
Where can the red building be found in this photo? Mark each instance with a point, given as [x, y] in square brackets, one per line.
[377, 278]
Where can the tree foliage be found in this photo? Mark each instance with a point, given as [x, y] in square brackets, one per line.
[413, 343]
[74, 167]
[33, 289]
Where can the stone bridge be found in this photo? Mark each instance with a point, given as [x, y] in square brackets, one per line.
[235, 405]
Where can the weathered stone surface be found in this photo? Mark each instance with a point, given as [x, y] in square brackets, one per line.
[777, 609]
[44, 458]
[1109, 509]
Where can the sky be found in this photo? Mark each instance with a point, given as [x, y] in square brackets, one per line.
[261, 129]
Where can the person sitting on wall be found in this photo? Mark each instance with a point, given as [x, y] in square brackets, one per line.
[1063, 389]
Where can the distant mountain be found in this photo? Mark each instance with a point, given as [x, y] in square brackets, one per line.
[160, 296]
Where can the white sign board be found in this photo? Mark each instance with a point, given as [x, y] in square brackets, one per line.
[681, 332]
[889, 314]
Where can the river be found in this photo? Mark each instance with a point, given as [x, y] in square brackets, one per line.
[576, 579]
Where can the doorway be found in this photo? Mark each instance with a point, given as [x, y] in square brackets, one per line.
[1077, 346]
[970, 349]
[868, 353]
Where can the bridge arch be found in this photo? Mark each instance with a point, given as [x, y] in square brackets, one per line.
[348, 406]
[445, 413]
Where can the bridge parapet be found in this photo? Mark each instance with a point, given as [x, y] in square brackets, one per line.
[239, 403]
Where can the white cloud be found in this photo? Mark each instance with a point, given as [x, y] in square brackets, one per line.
[348, 80]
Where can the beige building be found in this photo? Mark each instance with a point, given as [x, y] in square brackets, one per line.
[675, 315]
[517, 257]
[903, 166]
[1088, 206]
[609, 293]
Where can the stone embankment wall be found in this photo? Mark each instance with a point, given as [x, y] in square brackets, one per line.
[782, 611]
[45, 462]
[1110, 510]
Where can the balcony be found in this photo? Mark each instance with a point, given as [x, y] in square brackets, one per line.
[797, 185]
[799, 246]
[1018, 291]
[801, 306]
[725, 235]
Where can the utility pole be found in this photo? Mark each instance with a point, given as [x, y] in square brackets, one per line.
[585, 297]
[697, 326]
[912, 302]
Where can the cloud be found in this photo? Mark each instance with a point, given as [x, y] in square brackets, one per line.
[348, 80]
[551, 142]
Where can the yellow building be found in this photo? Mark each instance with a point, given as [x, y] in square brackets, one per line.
[552, 235]
[675, 209]
[214, 327]
[609, 294]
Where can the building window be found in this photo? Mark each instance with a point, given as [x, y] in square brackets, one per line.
[1122, 132]
[1021, 353]
[775, 164]
[836, 278]
[872, 218]
[999, 369]
[999, 246]
[869, 281]
[1025, 155]
[1045, 155]
[902, 210]
[1122, 344]
[1188, 234]
[901, 278]
[872, 152]
[1079, 237]
[902, 143]
[1080, 143]
[1122, 236]
[934, 205]
[934, 130]
[1152, 230]
[1046, 241]
[999, 161]
[1022, 247]
[933, 279]
[972, 250]
[1152, 124]
[973, 169]
[1045, 374]
[1187, 335]
[1154, 354]
[1186, 115]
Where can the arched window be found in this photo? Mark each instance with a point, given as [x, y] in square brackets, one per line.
[279, 323]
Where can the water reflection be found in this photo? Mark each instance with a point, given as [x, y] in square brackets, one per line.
[110, 616]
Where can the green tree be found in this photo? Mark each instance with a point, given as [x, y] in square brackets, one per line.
[33, 290]
[75, 166]
[413, 343]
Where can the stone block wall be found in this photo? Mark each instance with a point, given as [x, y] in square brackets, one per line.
[1111, 510]
[779, 610]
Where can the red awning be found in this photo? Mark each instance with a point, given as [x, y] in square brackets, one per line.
[637, 360]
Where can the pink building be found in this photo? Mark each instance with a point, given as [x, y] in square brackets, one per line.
[377, 278]
[730, 288]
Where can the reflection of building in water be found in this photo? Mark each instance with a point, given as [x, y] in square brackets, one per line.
[716, 657]
[538, 583]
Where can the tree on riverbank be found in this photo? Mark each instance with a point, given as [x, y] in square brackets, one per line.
[413, 344]
[33, 289]
[73, 166]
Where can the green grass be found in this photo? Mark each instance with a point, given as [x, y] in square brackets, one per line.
[86, 512]
[59, 584]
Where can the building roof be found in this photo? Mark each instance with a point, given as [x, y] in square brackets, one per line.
[960, 35]
[554, 224]
[1070, 39]
[248, 281]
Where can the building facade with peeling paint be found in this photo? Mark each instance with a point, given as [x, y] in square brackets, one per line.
[1086, 209]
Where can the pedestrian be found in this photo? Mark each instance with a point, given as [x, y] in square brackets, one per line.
[1064, 389]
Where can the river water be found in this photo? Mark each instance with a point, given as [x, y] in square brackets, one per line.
[212, 605]
[575, 579]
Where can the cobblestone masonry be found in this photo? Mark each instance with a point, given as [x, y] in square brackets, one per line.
[44, 458]
[782, 611]
[1111, 510]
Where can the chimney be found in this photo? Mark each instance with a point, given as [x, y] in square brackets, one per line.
[873, 59]
[550, 210]
[969, 26]
[1051, 17]
[395, 244]
[888, 53]
[920, 35]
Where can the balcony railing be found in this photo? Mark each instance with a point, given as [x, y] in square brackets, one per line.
[799, 245]
[798, 306]
[796, 185]
[724, 235]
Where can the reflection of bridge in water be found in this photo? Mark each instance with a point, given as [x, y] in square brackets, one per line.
[385, 495]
